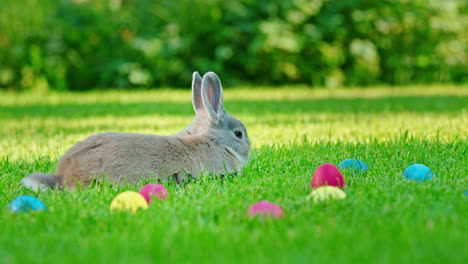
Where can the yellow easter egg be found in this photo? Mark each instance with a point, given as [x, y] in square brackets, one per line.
[128, 201]
[326, 193]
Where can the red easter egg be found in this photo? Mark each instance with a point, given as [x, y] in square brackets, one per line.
[265, 209]
[327, 174]
[155, 190]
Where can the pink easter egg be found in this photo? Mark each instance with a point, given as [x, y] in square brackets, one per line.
[327, 174]
[265, 208]
[153, 190]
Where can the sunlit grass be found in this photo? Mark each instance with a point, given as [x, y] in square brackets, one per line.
[47, 125]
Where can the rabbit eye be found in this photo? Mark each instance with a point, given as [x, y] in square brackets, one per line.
[238, 134]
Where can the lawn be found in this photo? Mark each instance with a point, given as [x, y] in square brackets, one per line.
[384, 219]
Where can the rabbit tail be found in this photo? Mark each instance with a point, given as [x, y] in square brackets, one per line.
[40, 181]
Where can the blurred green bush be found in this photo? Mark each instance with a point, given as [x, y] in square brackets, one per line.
[84, 44]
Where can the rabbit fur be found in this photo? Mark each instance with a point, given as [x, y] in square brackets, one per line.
[214, 143]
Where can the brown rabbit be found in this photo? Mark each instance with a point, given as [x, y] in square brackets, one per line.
[215, 142]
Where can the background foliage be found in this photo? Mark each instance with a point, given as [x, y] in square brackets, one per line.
[83, 44]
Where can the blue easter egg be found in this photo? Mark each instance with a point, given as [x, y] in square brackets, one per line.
[418, 172]
[26, 203]
[356, 165]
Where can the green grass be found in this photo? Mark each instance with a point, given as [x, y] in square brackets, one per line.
[384, 219]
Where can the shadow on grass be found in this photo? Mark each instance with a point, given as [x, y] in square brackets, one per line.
[418, 104]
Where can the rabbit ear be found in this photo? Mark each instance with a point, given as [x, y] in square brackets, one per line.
[212, 95]
[196, 92]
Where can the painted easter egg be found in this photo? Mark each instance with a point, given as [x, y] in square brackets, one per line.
[128, 201]
[26, 203]
[265, 209]
[418, 172]
[327, 174]
[358, 166]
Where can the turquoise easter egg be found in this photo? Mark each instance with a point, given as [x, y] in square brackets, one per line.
[26, 203]
[358, 166]
[418, 172]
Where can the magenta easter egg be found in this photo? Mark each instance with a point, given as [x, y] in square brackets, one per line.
[265, 209]
[153, 190]
[327, 174]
